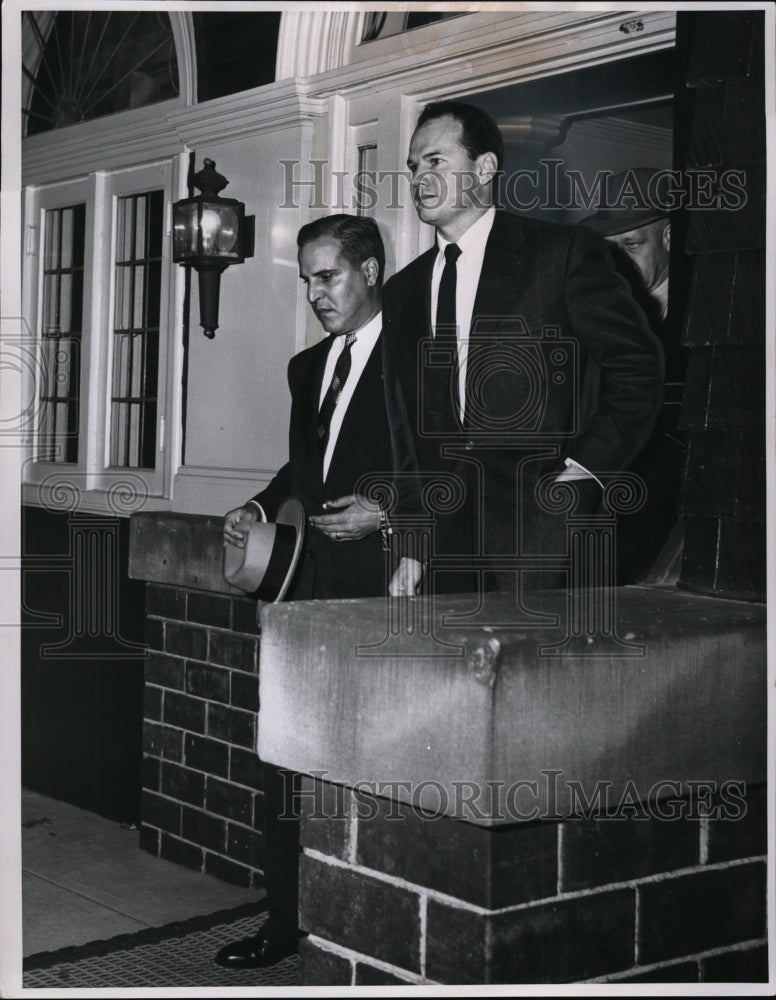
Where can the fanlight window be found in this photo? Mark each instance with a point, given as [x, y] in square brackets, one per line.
[80, 65]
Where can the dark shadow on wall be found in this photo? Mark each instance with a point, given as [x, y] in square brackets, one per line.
[82, 662]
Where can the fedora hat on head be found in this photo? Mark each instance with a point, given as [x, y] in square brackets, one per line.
[628, 203]
[265, 566]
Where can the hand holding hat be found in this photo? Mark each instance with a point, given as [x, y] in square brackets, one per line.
[265, 563]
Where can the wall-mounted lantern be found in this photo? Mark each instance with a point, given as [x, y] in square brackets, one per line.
[209, 234]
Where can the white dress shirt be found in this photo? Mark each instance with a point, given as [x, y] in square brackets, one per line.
[362, 347]
[468, 270]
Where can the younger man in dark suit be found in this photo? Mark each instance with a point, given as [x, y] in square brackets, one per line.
[338, 434]
[552, 372]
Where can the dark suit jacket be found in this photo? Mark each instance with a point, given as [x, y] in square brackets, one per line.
[333, 569]
[565, 366]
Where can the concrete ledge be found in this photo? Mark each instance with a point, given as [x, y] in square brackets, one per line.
[482, 721]
[183, 550]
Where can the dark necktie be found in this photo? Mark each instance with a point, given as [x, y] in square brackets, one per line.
[333, 393]
[445, 327]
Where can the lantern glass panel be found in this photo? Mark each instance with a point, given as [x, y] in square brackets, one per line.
[220, 230]
[185, 230]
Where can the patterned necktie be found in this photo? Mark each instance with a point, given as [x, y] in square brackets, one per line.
[333, 393]
[445, 327]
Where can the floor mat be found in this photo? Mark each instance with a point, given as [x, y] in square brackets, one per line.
[179, 954]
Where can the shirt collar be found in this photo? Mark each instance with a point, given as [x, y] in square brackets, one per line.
[475, 237]
[367, 331]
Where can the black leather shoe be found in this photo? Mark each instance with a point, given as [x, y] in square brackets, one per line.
[256, 952]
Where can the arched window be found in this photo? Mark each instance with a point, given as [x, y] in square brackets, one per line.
[80, 65]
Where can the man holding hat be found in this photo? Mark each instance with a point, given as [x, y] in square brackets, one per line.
[338, 434]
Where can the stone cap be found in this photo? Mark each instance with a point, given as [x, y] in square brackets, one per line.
[182, 550]
[506, 717]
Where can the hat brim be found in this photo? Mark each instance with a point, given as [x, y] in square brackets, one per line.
[614, 223]
[257, 565]
[291, 511]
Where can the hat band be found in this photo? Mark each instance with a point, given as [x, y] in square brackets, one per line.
[280, 559]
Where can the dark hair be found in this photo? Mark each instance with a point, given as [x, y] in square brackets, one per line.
[479, 133]
[358, 237]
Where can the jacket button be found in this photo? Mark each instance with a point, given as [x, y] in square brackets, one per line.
[469, 445]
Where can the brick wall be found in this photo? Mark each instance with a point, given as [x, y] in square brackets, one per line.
[390, 897]
[201, 800]
[719, 127]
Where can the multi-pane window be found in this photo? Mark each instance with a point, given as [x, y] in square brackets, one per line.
[61, 329]
[135, 375]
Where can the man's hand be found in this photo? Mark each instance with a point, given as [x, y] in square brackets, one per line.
[406, 580]
[352, 517]
[236, 524]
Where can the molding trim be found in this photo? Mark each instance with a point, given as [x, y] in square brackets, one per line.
[132, 137]
[622, 131]
[311, 42]
[510, 47]
[201, 488]
[186, 52]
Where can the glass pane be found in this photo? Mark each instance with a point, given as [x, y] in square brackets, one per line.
[134, 435]
[125, 234]
[120, 364]
[67, 238]
[366, 179]
[61, 314]
[87, 64]
[65, 286]
[51, 239]
[118, 424]
[140, 229]
[136, 388]
[50, 304]
[62, 360]
[138, 315]
[120, 311]
[60, 422]
[136, 344]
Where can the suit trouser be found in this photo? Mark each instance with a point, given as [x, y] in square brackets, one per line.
[281, 851]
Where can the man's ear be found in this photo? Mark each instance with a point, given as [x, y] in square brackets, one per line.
[487, 167]
[371, 270]
[667, 237]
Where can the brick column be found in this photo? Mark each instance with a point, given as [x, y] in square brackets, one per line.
[484, 813]
[391, 894]
[202, 801]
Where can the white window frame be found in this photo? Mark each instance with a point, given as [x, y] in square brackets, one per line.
[94, 484]
[39, 202]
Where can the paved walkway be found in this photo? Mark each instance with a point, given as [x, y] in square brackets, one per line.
[85, 879]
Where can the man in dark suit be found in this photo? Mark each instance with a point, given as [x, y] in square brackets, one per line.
[338, 434]
[515, 358]
[638, 227]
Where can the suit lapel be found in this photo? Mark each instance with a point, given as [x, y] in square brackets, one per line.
[361, 407]
[309, 402]
[502, 267]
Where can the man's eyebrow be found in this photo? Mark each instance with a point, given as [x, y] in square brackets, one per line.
[321, 270]
[424, 156]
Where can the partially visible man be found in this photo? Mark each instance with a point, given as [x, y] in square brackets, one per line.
[338, 434]
[554, 373]
[640, 230]
[635, 221]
